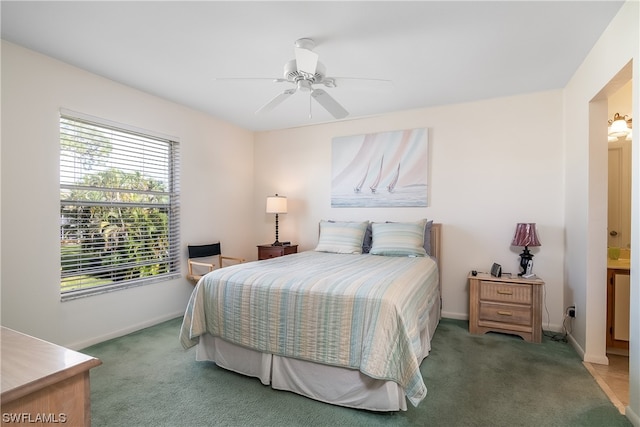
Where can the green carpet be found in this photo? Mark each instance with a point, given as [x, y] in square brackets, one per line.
[147, 379]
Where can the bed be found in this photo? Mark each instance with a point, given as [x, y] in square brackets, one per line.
[346, 328]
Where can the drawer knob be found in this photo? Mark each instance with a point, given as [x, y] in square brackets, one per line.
[501, 292]
[505, 313]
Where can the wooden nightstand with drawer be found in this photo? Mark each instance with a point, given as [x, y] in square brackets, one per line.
[507, 304]
[270, 251]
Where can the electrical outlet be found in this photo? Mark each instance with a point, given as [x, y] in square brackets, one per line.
[572, 311]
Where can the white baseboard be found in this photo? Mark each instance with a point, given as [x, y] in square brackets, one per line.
[576, 347]
[124, 331]
[456, 316]
[600, 360]
[587, 357]
[553, 328]
[632, 416]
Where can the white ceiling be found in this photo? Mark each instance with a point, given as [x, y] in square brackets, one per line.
[434, 52]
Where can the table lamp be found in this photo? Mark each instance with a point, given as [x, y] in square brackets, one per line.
[526, 236]
[276, 205]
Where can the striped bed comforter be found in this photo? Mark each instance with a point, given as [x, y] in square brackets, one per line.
[358, 311]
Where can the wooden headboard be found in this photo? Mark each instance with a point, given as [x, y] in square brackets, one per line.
[436, 243]
[436, 250]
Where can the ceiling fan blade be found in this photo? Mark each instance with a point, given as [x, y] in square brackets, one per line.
[358, 83]
[306, 60]
[329, 104]
[277, 100]
[243, 79]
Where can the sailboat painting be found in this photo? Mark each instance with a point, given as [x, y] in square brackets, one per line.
[386, 169]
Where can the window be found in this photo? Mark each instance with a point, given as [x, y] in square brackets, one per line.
[119, 216]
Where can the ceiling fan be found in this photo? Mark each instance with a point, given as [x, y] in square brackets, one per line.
[304, 72]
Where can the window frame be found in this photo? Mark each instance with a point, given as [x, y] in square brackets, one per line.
[162, 202]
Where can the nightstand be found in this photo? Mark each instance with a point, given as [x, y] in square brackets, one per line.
[508, 304]
[268, 251]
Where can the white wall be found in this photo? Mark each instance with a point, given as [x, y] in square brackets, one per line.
[492, 164]
[216, 197]
[604, 71]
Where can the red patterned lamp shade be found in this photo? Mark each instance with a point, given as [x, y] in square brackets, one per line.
[526, 235]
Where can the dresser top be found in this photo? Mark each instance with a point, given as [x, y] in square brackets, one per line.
[508, 278]
[29, 363]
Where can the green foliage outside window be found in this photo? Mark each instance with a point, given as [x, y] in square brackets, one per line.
[115, 221]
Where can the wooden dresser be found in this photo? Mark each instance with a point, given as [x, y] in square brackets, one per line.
[508, 304]
[43, 383]
[268, 251]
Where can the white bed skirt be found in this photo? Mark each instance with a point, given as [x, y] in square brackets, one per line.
[330, 384]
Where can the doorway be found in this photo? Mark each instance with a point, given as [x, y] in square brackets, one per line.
[615, 375]
[619, 224]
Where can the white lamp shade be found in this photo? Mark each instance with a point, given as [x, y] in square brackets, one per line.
[277, 204]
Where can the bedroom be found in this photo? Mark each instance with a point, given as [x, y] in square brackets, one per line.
[551, 153]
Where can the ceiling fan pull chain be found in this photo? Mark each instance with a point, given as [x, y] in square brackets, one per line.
[310, 115]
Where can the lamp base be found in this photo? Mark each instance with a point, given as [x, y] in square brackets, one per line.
[526, 263]
[276, 243]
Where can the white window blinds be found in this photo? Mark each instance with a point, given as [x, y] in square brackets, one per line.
[119, 216]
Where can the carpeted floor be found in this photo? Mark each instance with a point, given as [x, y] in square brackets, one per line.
[147, 379]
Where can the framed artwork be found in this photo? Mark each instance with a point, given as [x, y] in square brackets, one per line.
[386, 169]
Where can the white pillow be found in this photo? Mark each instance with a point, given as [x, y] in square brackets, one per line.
[341, 237]
[398, 238]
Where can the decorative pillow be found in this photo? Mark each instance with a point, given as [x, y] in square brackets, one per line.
[366, 246]
[341, 237]
[398, 238]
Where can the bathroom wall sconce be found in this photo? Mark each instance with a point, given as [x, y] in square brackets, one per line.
[619, 126]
